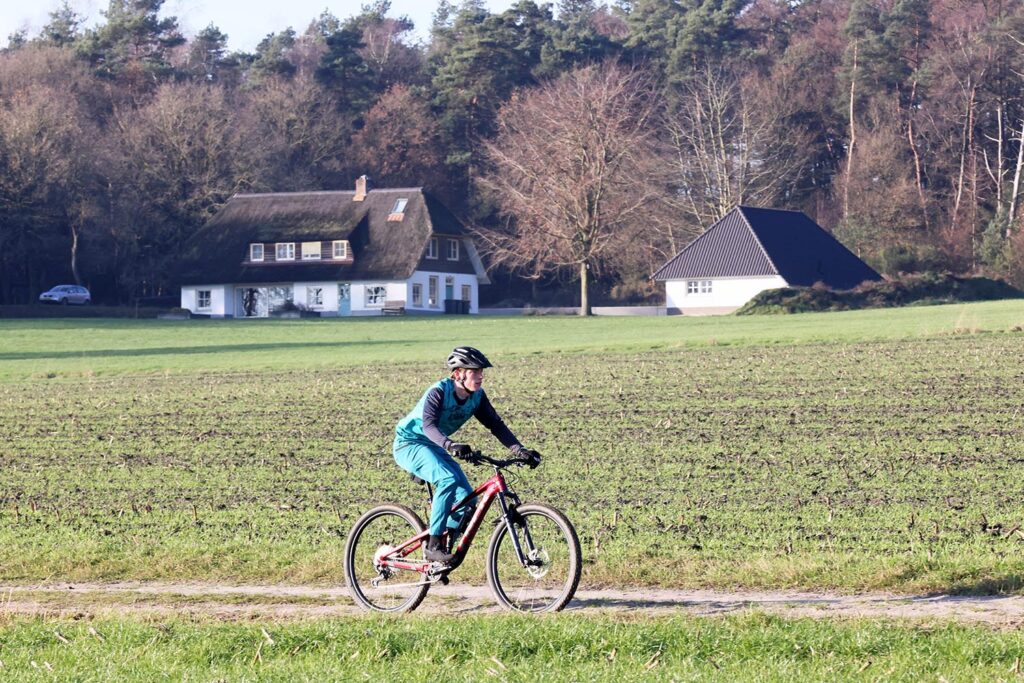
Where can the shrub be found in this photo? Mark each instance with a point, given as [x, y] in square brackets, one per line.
[920, 288]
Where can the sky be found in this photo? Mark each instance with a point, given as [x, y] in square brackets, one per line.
[246, 22]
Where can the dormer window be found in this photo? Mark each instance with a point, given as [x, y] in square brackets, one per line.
[432, 248]
[285, 251]
[453, 250]
[310, 251]
[255, 252]
[340, 249]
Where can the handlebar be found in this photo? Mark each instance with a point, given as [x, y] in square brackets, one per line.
[477, 457]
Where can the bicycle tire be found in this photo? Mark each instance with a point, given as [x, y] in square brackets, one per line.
[359, 559]
[550, 593]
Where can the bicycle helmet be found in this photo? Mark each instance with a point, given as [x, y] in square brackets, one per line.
[467, 357]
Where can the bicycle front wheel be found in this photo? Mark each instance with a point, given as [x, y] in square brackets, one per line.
[551, 549]
[383, 589]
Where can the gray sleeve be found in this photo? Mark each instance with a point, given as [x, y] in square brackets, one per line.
[488, 417]
[431, 410]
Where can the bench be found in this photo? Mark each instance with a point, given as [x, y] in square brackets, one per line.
[396, 307]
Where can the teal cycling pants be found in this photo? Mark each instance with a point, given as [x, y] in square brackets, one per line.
[431, 463]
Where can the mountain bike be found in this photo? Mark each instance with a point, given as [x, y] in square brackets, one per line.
[533, 561]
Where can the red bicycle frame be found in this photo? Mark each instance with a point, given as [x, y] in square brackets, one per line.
[486, 493]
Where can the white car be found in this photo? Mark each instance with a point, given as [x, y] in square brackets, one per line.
[66, 294]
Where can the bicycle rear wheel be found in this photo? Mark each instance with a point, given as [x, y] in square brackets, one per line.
[549, 542]
[383, 589]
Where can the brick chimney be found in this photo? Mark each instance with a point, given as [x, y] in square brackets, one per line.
[362, 187]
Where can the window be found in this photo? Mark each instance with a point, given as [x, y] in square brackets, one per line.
[698, 286]
[398, 210]
[255, 252]
[314, 297]
[279, 297]
[310, 251]
[417, 294]
[467, 293]
[340, 249]
[203, 299]
[376, 295]
[285, 251]
[432, 248]
[453, 250]
[432, 290]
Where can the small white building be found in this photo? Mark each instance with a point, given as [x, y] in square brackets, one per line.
[334, 253]
[750, 250]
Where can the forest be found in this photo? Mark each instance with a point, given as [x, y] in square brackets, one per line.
[581, 142]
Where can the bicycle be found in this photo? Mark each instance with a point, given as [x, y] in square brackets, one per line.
[533, 559]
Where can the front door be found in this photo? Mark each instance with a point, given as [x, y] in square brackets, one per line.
[344, 299]
[449, 287]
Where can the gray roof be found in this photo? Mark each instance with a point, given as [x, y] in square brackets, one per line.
[382, 249]
[750, 242]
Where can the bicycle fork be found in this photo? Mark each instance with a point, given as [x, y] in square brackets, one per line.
[512, 519]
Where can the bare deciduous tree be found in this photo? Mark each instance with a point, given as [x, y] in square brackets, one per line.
[566, 169]
[732, 144]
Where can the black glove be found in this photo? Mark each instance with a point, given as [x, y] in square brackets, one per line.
[531, 456]
[460, 450]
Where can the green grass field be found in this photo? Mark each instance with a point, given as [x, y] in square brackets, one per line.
[507, 648]
[870, 449]
[41, 349]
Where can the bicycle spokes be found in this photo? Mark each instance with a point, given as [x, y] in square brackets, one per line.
[536, 566]
[375, 583]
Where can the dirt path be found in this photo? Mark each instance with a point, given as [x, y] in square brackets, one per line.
[299, 602]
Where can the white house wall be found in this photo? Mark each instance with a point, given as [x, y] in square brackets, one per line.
[422, 278]
[727, 294]
[220, 300]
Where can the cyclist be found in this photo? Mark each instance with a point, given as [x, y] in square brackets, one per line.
[423, 445]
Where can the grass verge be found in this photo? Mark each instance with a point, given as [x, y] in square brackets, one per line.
[752, 647]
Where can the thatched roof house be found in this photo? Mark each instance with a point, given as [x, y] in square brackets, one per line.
[339, 253]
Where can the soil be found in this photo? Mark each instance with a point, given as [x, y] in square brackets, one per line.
[243, 602]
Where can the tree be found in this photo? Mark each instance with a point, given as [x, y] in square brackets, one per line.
[64, 27]
[273, 56]
[302, 138]
[729, 148]
[679, 37]
[568, 171]
[490, 56]
[385, 49]
[133, 47]
[48, 150]
[344, 71]
[398, 143]
[208, 59]
[182, 156]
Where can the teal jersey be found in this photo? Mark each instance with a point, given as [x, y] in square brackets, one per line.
[450, 413]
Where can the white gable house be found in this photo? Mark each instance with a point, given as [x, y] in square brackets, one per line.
[750, 250]
[333, 253]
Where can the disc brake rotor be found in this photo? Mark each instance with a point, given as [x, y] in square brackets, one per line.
[540, 563]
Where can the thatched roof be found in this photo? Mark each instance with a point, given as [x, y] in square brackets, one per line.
[382, 249]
